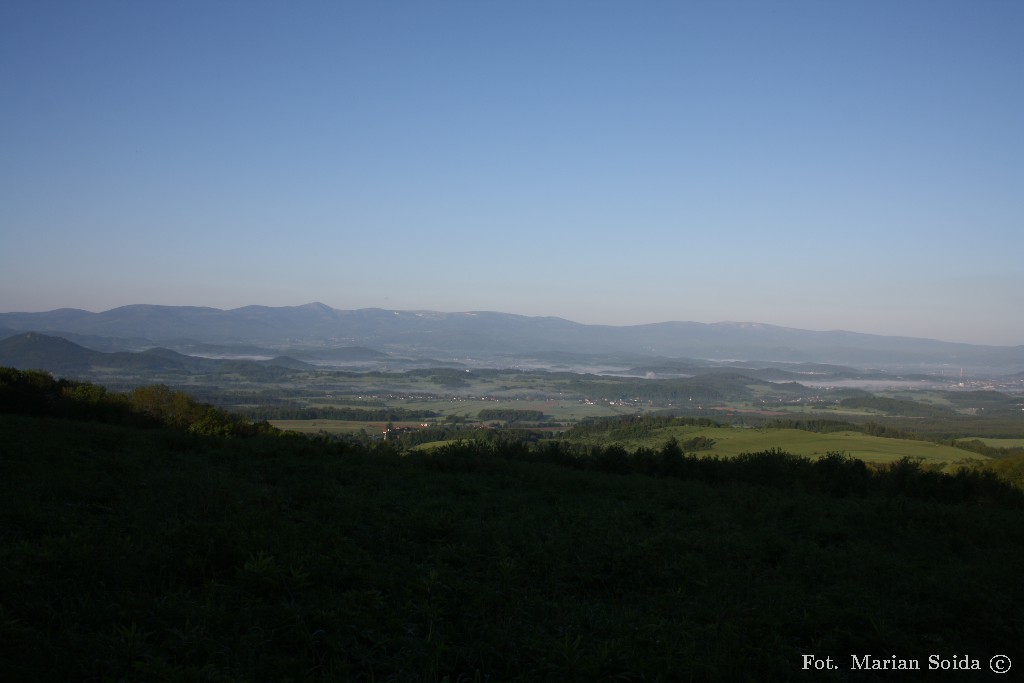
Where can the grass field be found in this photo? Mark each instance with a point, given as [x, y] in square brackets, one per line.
[731, 441]
[1000, 443]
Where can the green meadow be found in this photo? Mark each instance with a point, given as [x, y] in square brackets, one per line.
[732, 441]
[1002, 443]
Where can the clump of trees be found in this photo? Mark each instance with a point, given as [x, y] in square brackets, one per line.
[510, 415]
[38, 394]
[817, 425]
[979, 446]
[633, 426]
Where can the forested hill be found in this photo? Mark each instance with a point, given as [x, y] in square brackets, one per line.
[501, 333]
[39, 394]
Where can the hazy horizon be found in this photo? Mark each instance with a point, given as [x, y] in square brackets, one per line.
[825, 166]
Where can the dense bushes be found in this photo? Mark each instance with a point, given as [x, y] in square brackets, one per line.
[151, 555]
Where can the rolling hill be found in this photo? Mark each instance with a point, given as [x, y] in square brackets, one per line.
[35, 351]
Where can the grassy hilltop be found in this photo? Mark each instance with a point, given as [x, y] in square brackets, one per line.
[152, 552]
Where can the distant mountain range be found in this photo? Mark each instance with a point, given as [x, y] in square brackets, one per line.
[324, 333]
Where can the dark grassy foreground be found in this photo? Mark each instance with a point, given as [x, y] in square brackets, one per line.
[149, 554]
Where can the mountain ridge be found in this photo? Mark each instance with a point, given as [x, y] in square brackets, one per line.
[492, 333]
[318, 307]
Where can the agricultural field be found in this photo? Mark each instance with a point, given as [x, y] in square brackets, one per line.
[732, 441]
[728, 441]
[332, 426]
[1002, 443]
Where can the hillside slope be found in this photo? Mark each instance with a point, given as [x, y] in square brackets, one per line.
[149, 554]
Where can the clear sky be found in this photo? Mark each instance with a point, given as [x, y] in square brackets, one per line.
[826, 164]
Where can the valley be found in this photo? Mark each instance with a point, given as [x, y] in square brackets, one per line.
[284, 366]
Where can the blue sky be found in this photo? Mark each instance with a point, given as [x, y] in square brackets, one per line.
[824, 165]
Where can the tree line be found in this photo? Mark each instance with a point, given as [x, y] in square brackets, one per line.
[633, 426]
[383, 414]
[835, 474]
[510, 415]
